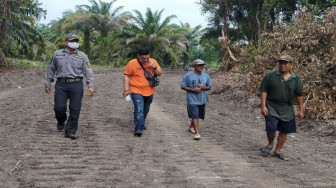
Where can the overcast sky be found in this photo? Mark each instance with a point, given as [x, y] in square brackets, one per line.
[187, 11]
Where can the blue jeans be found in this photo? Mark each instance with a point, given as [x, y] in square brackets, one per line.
[74, 92]
[141, 109]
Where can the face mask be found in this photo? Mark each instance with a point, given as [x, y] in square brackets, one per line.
[73, 45]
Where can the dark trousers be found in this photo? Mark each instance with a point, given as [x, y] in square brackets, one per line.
[74, 92]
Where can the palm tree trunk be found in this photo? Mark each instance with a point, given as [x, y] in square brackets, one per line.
[87, 34]
[3, 62]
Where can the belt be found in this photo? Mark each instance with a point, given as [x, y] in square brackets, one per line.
[69, 79]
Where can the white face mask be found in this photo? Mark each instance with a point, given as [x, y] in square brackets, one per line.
[73, 45]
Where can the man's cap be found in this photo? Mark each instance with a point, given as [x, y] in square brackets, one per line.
[199, 62]
[71, 37]
[286, 58]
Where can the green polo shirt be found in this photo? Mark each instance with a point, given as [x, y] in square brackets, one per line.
[280, 94]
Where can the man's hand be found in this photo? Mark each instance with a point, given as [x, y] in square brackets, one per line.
[48, 90]
[125, 93]
[201, 86]
[150, 63]
[197, 90]
[301, 115]
[91, 91]
[264, 111]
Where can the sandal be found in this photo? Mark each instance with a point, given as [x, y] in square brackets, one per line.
[281, 156]
[265, 151]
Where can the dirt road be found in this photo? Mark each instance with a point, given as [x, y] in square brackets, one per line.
[34, 154]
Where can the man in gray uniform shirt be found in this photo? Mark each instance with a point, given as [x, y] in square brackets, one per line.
[69, 66]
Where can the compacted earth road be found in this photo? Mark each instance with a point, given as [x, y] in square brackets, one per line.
[33, 153]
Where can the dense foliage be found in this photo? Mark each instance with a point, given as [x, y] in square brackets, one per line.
[312, 43]
[111, 37]
[245, 20]
[18, 36]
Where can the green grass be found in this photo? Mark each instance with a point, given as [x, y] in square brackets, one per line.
[26, 64]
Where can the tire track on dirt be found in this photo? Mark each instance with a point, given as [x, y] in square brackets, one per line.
[235, 126]
[219, 167]
[34, 154]
[107, 154]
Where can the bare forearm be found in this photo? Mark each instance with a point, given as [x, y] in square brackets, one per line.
[126, 82]
[158, 72]
[206, 88]
[300, 101]
[194, 90]
[263, 98]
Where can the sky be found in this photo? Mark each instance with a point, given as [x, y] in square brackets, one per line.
[187, 11]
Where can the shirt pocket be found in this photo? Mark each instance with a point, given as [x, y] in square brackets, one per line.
[77, 62]
[77, 65]
[201, 81]
[60, 61]
[194, 83]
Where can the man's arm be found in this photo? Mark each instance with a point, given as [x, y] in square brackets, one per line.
[157, 69]
[88, 73]
[49, 76]
[264, 110]
[203, 87]
[126, 85]
[301, 108]
[194, 90]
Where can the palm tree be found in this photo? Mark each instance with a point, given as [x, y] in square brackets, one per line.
[104, 20]
[58, 27]
[193, 36]
[153, 34]
[81, 21]
[17, 20]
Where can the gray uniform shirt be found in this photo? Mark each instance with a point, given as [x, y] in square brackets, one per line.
[69, 65]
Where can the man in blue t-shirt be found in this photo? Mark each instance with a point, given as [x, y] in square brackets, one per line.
[196, 83]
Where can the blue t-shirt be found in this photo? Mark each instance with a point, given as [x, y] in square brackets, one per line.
[191, 80]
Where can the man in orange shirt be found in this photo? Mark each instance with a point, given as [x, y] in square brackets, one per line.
[136, 85]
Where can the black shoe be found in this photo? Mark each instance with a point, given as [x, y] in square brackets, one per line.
[60, 126]
[138, 133]
[70, 135]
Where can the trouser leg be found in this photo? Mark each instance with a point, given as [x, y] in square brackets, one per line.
[75, 91]
[147, 102]
[139, 118]
[60, 102]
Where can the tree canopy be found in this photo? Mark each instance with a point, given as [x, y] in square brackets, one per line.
[17, 32]
[247, 19]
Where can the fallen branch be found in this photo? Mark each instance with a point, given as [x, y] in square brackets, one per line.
[17, 164]
[226, 43]
[231, 55]
[307, 98]
[16, 167]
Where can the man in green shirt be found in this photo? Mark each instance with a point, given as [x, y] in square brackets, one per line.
[278, 89]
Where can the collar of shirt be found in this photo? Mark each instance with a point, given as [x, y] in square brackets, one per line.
[74, 52]
[278, 73]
